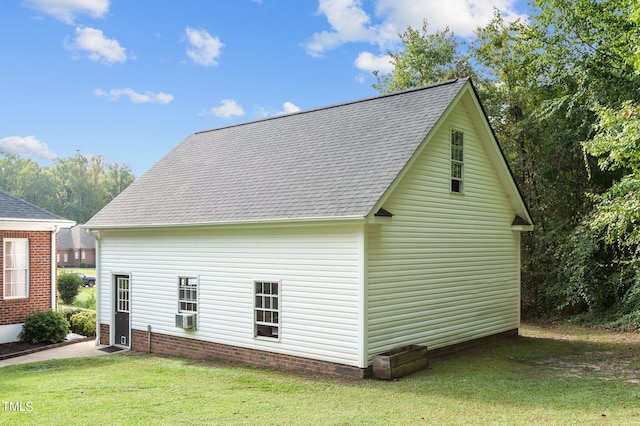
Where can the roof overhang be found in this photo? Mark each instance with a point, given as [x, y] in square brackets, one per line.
[248, 223]
[15, 224]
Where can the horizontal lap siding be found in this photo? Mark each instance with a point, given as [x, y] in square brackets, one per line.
[446, 268]
[317, 265]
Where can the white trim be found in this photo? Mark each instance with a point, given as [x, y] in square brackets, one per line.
[278, 297]
[363, 303]
[248, 223]
[27, 277]
[9, 224]
[54, 266]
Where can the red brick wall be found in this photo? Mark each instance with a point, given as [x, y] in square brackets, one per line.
[14, 311]
[163, 344]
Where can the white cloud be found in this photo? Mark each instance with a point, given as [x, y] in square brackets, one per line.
[288, 108]
[135, 97]
[99, 48]
[229, 108]
[27, 146]
[367, 61]
[67, 10]
[348, 22]
[204, 49]
[351, 23]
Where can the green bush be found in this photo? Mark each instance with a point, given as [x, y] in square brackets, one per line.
[84, 323]
[70, 311]
[44, 327]
[68, 286]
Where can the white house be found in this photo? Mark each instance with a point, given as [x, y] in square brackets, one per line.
[315, 240]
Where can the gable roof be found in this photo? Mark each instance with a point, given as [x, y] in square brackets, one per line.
[75, 238]
[331, 162]
[14, 209]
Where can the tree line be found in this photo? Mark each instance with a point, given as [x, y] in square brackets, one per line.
[75, 188]
[562, 92]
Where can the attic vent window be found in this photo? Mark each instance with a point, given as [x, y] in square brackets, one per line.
[457, 161]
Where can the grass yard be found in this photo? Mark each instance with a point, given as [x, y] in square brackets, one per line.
[558, 375]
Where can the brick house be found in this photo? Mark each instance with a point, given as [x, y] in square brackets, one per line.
[76, 247]
[27, 261]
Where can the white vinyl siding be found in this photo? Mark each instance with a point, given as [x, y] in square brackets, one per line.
[317, 266]
[446, 268]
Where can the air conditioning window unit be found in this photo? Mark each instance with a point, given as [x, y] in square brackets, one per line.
[185, 320]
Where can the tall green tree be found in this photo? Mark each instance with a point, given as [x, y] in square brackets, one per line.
[75, 188]
[426, 58]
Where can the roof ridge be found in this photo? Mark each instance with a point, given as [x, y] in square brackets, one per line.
[336, 105]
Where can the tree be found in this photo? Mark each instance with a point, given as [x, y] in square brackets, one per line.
[75, 188]
[426, 58]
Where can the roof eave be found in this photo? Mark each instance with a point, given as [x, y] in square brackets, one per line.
[18, 224]
[264, 222]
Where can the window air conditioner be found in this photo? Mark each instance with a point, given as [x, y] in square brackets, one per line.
[186, 320]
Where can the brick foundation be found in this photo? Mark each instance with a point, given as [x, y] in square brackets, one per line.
[163, 344]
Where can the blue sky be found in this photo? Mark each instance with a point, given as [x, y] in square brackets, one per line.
[129, 80]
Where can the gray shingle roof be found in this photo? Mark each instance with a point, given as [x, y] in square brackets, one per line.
[75, 238]
[13, 208]
[329, 162]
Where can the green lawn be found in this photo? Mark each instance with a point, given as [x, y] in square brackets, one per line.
[557, 375]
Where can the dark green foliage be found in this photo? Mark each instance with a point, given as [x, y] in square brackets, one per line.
[68, 287]
[75, 188]
[70, 311]
[84, 323]
[44, 327]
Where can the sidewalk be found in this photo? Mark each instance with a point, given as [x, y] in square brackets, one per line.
[73, 350]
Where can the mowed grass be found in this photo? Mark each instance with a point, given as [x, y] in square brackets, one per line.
[557, 375]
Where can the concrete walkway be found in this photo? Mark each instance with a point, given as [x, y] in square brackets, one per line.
[73, 350]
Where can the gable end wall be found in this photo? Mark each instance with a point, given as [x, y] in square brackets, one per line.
[446, 269]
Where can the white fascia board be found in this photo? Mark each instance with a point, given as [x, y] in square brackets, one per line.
[248, 223]
[33, 225]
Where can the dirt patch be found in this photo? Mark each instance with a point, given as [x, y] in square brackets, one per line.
[603, 365]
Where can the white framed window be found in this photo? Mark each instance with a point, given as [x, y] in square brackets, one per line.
[66, 257]
[187, 294]
[75, 255]
[267, 308]
[16, 268]
[457, 161]
[84, 255]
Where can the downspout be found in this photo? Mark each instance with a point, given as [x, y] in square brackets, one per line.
[54, 264]
[96, 235]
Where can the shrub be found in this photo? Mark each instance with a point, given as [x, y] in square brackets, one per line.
[68, 286]
[44, 327]
[83, 265]
[70, 311]
[84, 323]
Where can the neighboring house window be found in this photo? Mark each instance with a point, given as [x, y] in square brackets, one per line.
[267, 309]
[16, 268]
[457, 161]
[75, 255]
[66, 257]
[84, 255]
[187, 294]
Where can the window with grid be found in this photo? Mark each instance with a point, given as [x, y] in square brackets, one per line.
[16, 268]
[457, 161]
[187, 294]
[267, 309]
